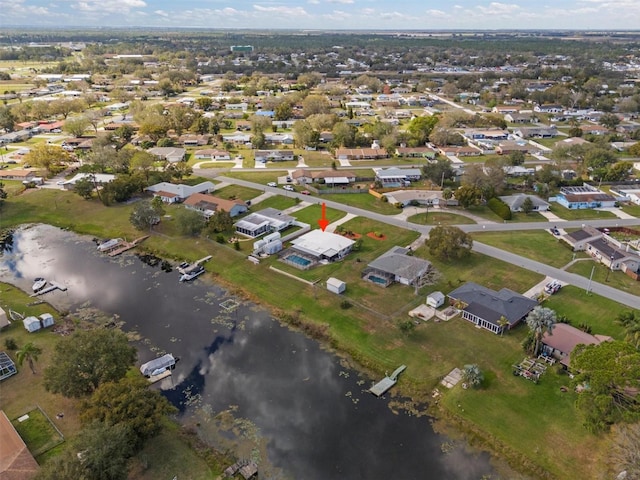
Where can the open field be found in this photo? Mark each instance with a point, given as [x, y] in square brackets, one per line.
[538, 245]
[364, 201]
[313, 213]
[237, 192]
[436, 217]
[262, 177]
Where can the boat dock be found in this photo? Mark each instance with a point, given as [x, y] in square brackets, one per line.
[387, 382]
[124, 246]
[52, 286]
[157, 378]
[189, 267]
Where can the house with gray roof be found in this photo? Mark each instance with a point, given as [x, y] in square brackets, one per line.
[170, 154]
[397, 177]
[485, 307]
[264, 221]
[173, 193]
[396, 265]
[515, 202]
[579, 239]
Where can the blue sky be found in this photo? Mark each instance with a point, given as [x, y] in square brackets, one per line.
[327, 14]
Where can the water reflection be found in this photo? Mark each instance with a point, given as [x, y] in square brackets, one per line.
[305, 413]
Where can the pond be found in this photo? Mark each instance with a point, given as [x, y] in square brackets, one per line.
[242, 379]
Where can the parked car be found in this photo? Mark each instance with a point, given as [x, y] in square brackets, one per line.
[288, 188]
[552, 287]
[555, 230]
[289, 179]
[305, 192]
[272, 184]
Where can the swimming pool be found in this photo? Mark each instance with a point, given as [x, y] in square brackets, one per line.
[303, 262]
[376, 279]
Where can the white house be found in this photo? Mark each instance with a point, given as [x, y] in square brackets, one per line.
[172, 193]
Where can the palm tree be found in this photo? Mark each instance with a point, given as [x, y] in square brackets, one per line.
[30, 353]
[541, 320]
[503, 323]
[472, 375]
[631, 323]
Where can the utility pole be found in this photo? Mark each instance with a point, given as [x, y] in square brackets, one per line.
[590, 277]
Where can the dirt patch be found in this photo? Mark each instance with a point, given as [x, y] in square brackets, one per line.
[376, 236]
[351, 235]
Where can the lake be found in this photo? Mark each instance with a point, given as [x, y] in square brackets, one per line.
[244, 381]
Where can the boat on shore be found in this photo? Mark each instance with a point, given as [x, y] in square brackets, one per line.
[109, 244]
[38, 284]
[193, 273]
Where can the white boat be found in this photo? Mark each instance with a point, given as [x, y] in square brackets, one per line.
[186, 277]
[158, 365]
[38, 284]
[109, 244]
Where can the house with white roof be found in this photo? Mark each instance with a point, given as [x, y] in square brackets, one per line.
[173, 193]
[98, 179]
[317, 246]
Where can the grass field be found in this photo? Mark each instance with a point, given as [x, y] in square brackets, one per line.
[364, 201]
[602, 274]
[438, 218]
[237, 192]
[582, 214]
[538, 245]
[38, 432]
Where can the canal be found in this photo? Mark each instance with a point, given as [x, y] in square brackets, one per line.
[243, 380]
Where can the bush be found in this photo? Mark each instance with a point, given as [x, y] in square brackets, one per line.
[500, 208]
[10, 343]
[220, 238]
[344, 305]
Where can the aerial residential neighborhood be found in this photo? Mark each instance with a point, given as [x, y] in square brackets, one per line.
[437, 208]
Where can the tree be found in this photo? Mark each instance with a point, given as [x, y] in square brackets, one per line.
[129, 402]
[221, 221]
[472, 375]
[540, 321]
[83, 361]
[315, 104]
[143, 162]
[421, 127]
[630, 320]
[618, 172]
[449, 242]
[104, 450]
[190, 222]
[609, 120]
[30, 353]
[407, 327]
[204, 103]
[503, 323]
[76, 126]
[468, 195]
[438, 171]
[527, 205]
[612, 372]
[50, 157]
[635, 149]
[516, 158]
[84, 187]
[7, 119]
[625, 450]
[145, 215]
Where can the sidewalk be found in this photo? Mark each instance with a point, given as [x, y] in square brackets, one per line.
[617, 212]
[552, 217]
[332, 226]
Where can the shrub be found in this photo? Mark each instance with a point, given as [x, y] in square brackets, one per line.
[500, 208]
[345, 305]
[220, 238]
[10, 343]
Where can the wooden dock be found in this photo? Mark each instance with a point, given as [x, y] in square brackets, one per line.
[387, 382]
[192, 266]
[157, 378]
[124, 246]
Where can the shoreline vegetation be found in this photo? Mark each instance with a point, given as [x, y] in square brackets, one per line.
[521, 424]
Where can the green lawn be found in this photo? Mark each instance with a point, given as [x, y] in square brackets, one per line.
[215, 165]
[438, 218]
[277, 201]
[262, 177]
[538, 245]
[631, 210]
[582, 214]
[237, 192]
[589, 309]
[364, 201]
[313, 213]
[602, 274]
[38, 432]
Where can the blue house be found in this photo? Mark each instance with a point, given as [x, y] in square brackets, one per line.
[584, 197]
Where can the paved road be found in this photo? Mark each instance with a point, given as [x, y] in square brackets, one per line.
[619, 296]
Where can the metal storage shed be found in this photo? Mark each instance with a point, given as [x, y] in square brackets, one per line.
[31, 324]
[336, 286]
[46, 320]
[435, 299]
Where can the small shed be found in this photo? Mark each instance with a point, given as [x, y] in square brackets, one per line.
[435, 299]
[336, 286]
[4, 321]
[158, 365]
[46, 320]
[31, 324]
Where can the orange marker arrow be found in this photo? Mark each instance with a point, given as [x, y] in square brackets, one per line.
[323, 222]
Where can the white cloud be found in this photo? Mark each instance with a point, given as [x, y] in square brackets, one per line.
[497, 8]
[162, 13]
[283, 10]
[340, 1]
[437, 14]
[109, 6]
